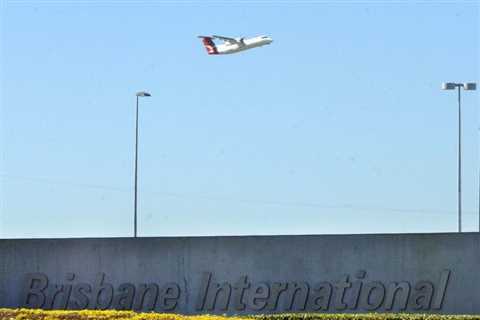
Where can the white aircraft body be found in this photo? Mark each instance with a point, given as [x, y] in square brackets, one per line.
[233, 45]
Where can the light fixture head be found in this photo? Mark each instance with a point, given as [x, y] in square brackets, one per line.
[143, 94]
[470, 86]
[448, 86]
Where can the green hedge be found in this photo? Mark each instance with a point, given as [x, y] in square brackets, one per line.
[29, 314]
[364, 316]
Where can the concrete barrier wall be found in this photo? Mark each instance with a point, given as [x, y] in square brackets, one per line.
[437, 273]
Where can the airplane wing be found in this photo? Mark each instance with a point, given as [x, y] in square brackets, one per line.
[227, 39]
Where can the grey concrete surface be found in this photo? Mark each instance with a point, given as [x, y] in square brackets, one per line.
[432, 273]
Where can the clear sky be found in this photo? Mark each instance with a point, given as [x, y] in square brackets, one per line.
[339, 126]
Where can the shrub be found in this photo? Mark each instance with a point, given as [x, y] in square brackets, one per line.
[31, 314]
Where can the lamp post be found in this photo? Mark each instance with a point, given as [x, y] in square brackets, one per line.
[459, 86]
[139, 94]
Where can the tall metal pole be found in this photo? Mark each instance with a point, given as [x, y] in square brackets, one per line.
[136, 171]
[478, 144]
[459, 161]
[470, 86]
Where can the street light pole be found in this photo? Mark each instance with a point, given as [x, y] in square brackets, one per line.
[139, 94]
[459, 86]
[478, 139]
[459, 161]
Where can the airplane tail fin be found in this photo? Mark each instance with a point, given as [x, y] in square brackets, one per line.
[209, 44]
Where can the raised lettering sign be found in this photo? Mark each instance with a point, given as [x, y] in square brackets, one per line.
[347, 292]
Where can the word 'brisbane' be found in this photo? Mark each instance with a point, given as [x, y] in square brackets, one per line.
[348, 293]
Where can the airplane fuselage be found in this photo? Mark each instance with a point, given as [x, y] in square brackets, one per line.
[243, 44]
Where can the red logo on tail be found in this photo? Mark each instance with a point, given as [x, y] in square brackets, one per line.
[209, 45]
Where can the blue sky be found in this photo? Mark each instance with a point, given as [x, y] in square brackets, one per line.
[339, 126]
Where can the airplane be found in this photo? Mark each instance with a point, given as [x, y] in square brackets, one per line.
[233, 45]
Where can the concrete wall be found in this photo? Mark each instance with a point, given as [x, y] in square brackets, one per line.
[327, 273]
